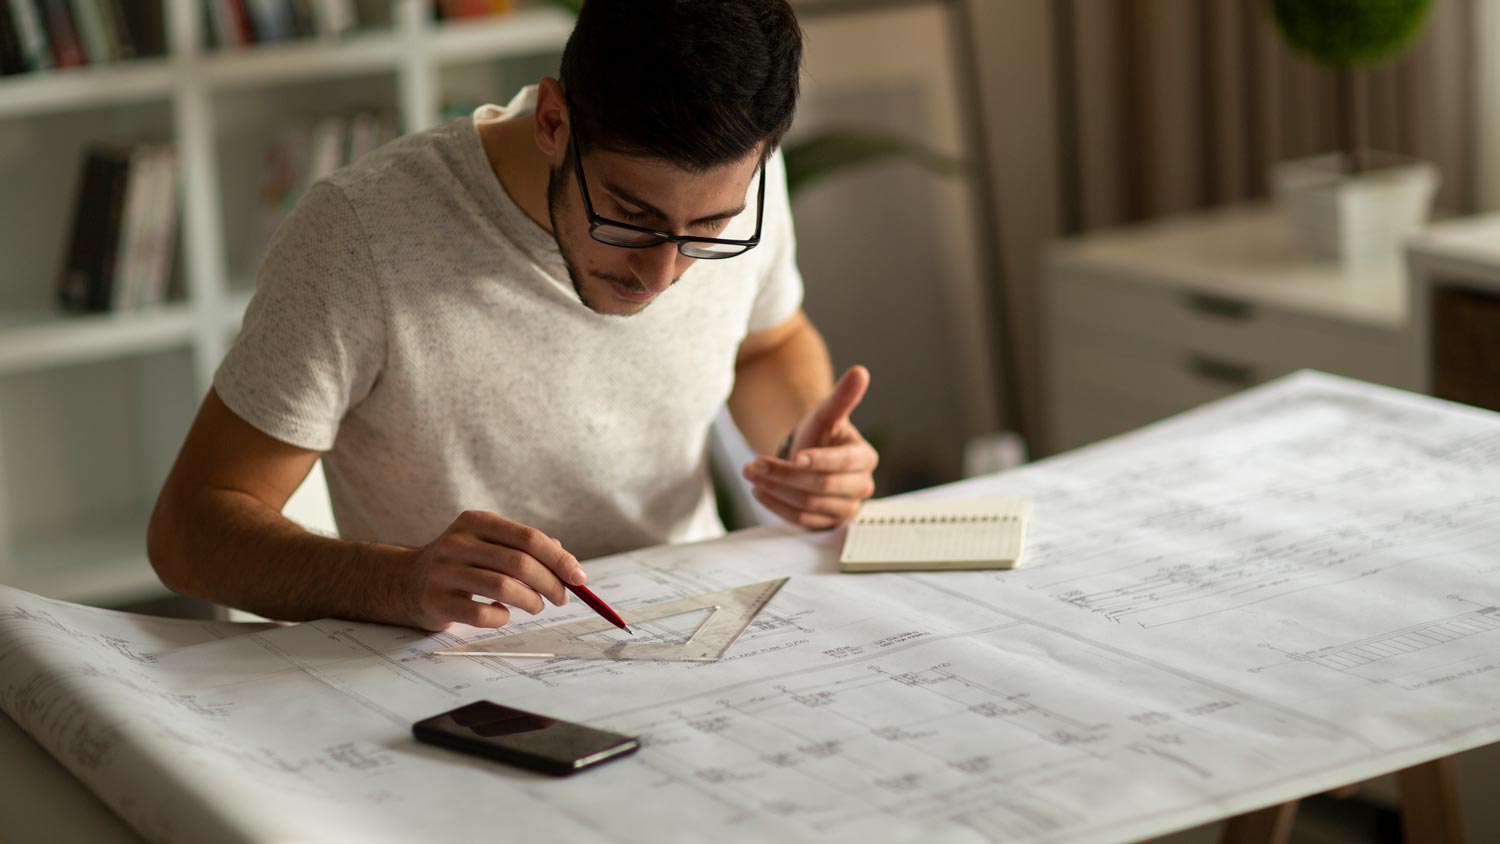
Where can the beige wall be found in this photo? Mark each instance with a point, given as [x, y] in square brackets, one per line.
[1487, 95]
[890, 251]
[1013, 41]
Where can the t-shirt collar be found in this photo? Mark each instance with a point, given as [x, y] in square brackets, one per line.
[514, 222]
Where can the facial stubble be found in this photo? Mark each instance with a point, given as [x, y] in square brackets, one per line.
[557, 191]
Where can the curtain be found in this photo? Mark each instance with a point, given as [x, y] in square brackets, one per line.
[1171, 105]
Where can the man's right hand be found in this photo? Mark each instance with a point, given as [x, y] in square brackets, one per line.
[492, 557]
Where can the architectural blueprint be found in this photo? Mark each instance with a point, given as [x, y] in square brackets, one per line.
[696, 629]
[1273, 595]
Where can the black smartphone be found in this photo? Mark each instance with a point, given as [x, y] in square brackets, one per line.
[550, 745]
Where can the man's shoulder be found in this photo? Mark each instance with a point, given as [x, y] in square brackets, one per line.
[400, 173]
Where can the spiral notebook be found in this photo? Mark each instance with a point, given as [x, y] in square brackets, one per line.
[899, 535]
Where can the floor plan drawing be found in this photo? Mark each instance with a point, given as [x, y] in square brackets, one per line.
[1365, 657]
[1274, 595]
[698, 628]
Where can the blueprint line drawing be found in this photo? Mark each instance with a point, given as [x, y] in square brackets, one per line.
[1406, 640]
[1268, 597]
[722, 617]
[1404, 653]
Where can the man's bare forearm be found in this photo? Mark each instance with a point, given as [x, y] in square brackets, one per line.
[229, 548]
[774, 389]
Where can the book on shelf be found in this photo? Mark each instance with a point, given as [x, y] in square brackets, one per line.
[88, 15]
[453, 9]
[11, 59]
[148, 238]
[335, 17]
[43, 34]
[215, 28]
[80, 286]
[36, 49]
[238, 23]
[140, 27]
[271, 19]
[119, 254]
[62, 31]
[225, 23]
[117, 28]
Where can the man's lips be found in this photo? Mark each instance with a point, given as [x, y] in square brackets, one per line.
[630, 294]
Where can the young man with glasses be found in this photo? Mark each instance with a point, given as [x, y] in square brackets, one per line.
[507, 338]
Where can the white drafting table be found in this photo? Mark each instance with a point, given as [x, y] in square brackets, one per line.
[1287, 591]
[41, 802]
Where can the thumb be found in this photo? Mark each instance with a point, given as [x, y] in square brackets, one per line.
[846, 395]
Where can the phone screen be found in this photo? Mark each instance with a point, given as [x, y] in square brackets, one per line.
[539, 742]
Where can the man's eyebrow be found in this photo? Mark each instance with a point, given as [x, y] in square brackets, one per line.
[657, 212]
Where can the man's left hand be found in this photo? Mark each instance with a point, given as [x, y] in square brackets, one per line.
[829, 469]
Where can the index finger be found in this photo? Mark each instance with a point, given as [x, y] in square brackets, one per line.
[846, 396]
[492, 527]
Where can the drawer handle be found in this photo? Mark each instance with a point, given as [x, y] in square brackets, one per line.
[1224, 372]
[1219, 306]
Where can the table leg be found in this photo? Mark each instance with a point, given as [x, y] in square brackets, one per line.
[1271, 825]
[1429, 803]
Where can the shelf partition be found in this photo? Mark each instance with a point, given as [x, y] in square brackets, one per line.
[293, 61]
[113, 84]
[41, 339]
[98, 555]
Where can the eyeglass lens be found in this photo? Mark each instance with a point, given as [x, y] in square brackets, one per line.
[617, 236]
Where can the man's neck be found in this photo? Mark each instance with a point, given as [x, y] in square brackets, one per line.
[519, 165]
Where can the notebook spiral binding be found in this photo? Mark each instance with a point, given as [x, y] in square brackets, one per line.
[924, 520]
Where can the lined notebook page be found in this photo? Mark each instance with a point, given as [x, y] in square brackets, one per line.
[893, 535]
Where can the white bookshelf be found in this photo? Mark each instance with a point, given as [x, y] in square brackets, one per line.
[293, 61]
[83, 87]
[39, 339]
[94, 407]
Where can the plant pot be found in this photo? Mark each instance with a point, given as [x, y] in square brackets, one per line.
[1340, 216]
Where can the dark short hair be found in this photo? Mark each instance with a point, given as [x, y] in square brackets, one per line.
[698, 83]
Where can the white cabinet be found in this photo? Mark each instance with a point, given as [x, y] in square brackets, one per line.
[1457, 264]
[1146, 321]
[94, 407]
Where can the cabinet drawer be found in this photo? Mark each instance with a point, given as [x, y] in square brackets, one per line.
[1103, 389]
[1222, 329]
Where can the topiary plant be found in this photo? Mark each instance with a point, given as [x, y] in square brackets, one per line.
[1345, 34]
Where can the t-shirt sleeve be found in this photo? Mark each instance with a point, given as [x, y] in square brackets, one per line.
[780, 291]
[313, 341]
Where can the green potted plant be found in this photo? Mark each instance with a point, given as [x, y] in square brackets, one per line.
[1354, 202]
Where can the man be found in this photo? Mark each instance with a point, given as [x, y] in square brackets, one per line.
[507, 338]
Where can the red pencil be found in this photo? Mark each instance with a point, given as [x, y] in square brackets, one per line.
[599, 606]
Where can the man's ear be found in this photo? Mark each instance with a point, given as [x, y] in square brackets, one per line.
[551, 126]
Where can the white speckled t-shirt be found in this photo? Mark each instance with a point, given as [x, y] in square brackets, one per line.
[415, 325]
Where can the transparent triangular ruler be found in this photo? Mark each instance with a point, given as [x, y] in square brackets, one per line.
[729, 612]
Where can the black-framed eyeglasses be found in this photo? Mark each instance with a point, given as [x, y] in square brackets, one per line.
[616, 233]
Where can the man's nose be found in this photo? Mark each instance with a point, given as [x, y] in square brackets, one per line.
[657, 266]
